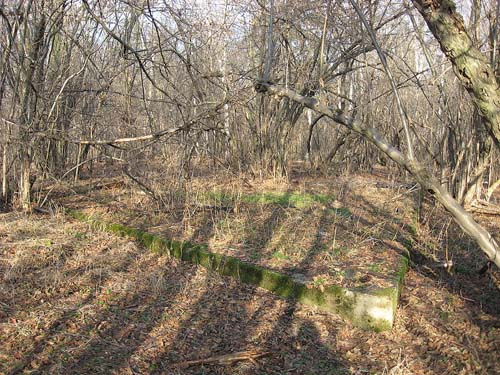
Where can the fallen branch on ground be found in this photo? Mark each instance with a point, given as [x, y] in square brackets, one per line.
[226, 359]
[483, 207]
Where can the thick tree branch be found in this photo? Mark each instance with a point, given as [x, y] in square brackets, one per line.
[471, 66]
[417, 170]
[109, 142]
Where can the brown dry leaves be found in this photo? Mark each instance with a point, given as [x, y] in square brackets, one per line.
[75, 301]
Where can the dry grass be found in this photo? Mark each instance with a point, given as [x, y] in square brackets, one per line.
[76, 301]
[294, 229]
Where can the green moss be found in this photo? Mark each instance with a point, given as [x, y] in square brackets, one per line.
[77, 215]
[148, 241]
[288, 199]
[351, 304]
[176, 248]
[398, 281]
[343, 212]
[280, 256]
[378, 325]
[375, 267]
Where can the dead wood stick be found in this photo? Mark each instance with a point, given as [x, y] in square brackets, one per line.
[484, 207]
[248, 355]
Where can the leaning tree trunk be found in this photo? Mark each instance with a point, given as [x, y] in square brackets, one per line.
[470, 65]
[417, 170]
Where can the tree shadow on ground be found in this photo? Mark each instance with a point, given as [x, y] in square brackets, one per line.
[183, 312]
[477, 296]
[427, 258]
[234, 317]
[34, 284]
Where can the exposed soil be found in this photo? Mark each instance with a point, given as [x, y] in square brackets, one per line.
[78, 301]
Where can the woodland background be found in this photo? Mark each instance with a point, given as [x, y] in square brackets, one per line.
[199, 120]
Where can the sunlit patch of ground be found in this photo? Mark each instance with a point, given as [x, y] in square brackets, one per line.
[341, 238]
[78, 301]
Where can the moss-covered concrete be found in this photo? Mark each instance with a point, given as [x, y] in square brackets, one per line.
[287, 199]
[369, 309]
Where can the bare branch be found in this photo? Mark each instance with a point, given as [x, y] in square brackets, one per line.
[416, 169]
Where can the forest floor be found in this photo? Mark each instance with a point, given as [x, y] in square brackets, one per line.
[78, 301]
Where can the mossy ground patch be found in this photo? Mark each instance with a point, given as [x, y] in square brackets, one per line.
[367, 308]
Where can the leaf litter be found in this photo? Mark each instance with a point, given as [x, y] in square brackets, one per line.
[74, 300]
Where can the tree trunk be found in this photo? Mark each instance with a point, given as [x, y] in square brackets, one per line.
[25, 183]
[30, 93]
[417, 170]
[4, 174]
[470, 65]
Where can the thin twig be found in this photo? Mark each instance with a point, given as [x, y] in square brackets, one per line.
[248, 355]
[383, 60]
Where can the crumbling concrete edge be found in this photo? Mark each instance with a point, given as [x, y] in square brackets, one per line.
[369, 309]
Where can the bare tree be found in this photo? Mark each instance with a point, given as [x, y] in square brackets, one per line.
[471, 66]
[418, 170]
